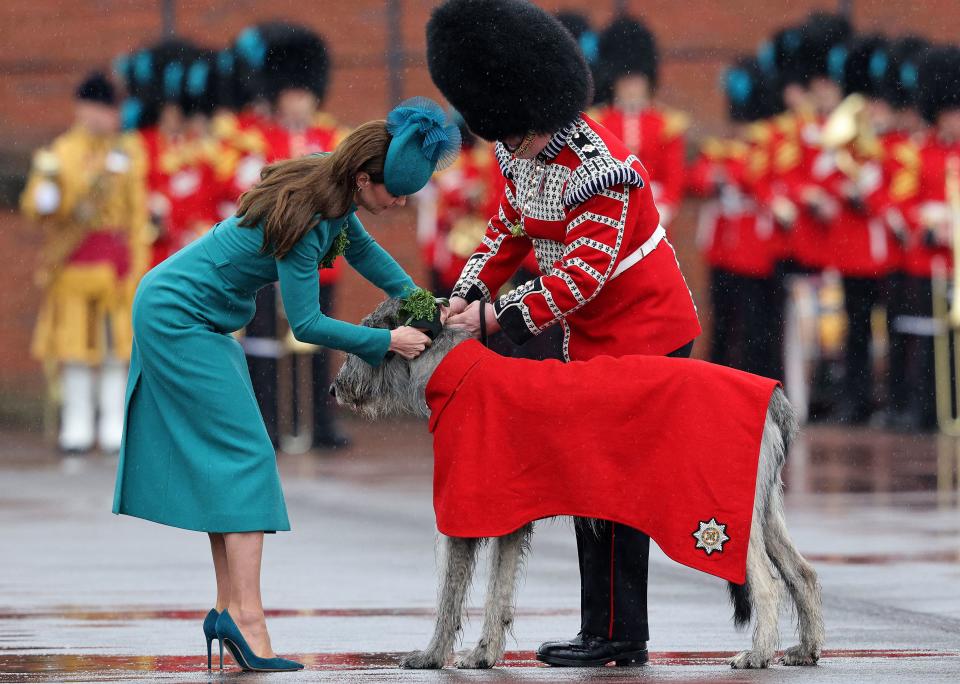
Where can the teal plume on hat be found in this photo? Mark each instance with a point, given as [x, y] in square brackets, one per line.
[424, 139]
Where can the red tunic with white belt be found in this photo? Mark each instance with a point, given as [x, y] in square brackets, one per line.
[611, 278]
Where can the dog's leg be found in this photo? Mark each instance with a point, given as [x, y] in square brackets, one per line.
[801, 581]
[764, 600]
[459, 560]
[506, 559]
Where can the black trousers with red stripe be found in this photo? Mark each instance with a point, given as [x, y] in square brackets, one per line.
[613, 574]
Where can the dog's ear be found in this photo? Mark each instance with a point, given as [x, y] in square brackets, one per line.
[384, 316]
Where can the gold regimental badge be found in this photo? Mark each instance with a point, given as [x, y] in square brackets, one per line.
[711, 536]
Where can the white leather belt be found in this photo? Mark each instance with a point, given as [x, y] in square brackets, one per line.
[641, 253]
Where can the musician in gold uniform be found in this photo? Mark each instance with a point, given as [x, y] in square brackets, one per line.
[86, 192]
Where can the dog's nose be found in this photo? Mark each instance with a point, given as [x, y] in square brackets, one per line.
[333, 390]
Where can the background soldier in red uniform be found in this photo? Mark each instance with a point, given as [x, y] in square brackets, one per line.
[897, 121]
[929, 213]
[735, 234]
[582, 201]
[627, 74]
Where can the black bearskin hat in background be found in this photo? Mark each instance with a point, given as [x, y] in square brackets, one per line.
[852, 64]
[939, 78]
[750, 96]
[823, 32]
[782, 58]
[579, 27]
[201, 84]
[896, 70]
[507, 66]
[295, 57]
[626, 47]
[97, 88]
[154, 77]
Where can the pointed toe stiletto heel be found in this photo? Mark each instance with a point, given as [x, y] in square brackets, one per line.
[210, 633]
[229, 634]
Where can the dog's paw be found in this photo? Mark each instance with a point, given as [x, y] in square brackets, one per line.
[421, 660]
[749, 660]
[477, 659]
[795, 655]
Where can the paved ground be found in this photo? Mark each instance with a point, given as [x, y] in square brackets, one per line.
[87, 596]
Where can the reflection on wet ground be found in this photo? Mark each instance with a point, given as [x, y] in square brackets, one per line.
[87, 596]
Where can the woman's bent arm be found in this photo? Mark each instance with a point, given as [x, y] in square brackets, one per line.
[300, 290]
[373, 262]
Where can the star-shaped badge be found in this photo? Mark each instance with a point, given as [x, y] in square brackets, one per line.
[711, 536]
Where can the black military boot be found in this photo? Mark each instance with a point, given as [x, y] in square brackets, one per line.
[587, 650]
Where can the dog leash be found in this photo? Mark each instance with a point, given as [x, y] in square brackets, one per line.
[483, 323]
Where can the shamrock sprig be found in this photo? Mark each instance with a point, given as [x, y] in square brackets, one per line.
[338, 248]
[420, 305]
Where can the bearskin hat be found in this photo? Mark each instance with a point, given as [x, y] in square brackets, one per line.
[507, 66]
[781, 57]
[939, 81]
[821, 33]
[627, 47]
[296, 57]
[896, 71]
[748, 91]
[201, 84]
[852, 64]
[154, 77]
[96, 87]
[579, 27]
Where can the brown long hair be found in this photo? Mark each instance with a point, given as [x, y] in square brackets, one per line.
[291, 193]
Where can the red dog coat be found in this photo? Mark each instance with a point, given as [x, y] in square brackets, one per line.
[668, 446]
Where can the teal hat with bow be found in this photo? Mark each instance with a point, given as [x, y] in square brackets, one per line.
[423, 140]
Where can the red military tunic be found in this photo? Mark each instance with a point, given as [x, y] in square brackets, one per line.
[586, 208]
[734, 233]
[929, 211]
[656, 137]
[182, 189]
[631, 416]
[859, 243]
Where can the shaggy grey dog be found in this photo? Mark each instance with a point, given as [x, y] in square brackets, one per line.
[398, 386]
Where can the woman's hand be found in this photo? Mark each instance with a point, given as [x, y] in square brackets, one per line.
[408, 342]
[469, 319]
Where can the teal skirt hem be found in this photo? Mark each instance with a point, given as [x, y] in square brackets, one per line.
[213, 529]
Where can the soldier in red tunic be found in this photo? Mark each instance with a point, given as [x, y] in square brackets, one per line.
[901, 129]
[583, 202]
[628, 73]
[929, 252]
[735, 234]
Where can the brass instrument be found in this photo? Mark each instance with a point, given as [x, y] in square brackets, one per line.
[849, 134]
[947, 320]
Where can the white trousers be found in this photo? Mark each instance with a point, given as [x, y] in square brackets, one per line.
[92, 405]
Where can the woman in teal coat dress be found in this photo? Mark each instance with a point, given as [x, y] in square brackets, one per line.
[195, 452]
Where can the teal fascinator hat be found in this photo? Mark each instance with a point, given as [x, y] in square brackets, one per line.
[424, 140]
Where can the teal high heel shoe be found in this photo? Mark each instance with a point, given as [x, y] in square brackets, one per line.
[228, 633]
[210, 633]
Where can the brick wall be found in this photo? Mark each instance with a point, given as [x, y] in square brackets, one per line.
[49, 44]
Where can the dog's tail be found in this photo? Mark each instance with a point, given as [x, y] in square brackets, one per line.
[740, 597]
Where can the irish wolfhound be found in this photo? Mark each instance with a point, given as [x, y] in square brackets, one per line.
[398, 386]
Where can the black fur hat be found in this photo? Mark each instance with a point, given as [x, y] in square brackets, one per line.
[628, 47]
[507, 66]
[823, 32]
[782, 57]
[97, 88]
[853, 64]
[939, 81]
[748, 90]
[201, 84]
[296, 57]
[896, 71]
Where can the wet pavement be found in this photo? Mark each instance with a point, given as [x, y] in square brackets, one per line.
[88, 596]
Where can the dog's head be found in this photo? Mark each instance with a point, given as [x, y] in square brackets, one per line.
[397, 385]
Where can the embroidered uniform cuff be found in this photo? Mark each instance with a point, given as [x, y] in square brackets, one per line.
[472, 292]
[512, 323]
